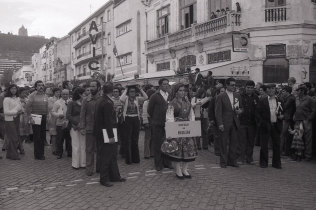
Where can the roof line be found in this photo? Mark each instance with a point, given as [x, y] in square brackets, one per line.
[99, 11]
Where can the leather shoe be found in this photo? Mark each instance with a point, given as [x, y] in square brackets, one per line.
[40, 158]
[107, 184]
[179, 177]
[59, 156]
[122, 180]
[223, 166]
[263, 166]
[187, 176]
[234, 165]
[277, 167]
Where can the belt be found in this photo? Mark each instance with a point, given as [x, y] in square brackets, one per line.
[132, 115]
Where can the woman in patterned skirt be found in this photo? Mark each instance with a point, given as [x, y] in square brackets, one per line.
[186, 148]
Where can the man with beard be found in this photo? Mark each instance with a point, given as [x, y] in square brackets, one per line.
[38, 104]
[105, 120]
[87, 123]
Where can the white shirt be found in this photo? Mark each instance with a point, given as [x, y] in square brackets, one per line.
[164, 94]
[231, 97]
[273, 107]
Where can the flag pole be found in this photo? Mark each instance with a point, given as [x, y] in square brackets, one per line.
[115, 53]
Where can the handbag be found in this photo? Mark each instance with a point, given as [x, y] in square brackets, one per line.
[169, 146]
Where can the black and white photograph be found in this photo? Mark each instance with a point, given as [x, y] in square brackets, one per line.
[158, 104]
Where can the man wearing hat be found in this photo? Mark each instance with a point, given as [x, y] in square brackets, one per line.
[268, 115]
[305, 111]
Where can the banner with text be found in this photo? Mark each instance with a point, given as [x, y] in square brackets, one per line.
[183, 129]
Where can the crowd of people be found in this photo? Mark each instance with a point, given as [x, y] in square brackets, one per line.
[233, 120]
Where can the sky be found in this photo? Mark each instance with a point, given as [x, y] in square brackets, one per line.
[45, 17]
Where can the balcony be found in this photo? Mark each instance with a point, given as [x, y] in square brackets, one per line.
[224, 24]
[275, 14]
[83, 54]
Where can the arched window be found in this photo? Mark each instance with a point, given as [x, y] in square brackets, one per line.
[275, 70]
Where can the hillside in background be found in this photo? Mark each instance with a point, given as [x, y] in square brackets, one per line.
[20, 48]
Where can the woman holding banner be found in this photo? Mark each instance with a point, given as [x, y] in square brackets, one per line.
[185, 149]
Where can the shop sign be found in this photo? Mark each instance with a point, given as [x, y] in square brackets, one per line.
[94, 63]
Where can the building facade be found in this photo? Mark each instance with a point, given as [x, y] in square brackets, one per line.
[23, 31]
[129, 38]
[7, 64]
[91, 44]
[265, 40]
[62, 64]
[37, 67]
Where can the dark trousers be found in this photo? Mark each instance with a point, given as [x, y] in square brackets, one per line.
[120, 136]
[272, 130]
[131, 135]
[307, 137]
[90, 152]
[204, 137]
[39, 137]
[228, 145]
[158, 137]
[247, 134]
[109, 170]
[286, 138]
[63, 134]
[216, 134]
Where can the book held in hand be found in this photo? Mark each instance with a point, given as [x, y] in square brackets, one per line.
[106, 137]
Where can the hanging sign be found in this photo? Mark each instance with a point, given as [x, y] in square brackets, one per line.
[94, 63]
[240, 42]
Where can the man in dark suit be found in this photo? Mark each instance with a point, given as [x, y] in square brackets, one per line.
[268, 115]
[289, 107]
[199, 79]
[227, 108]
[157, 109]
[105, 119]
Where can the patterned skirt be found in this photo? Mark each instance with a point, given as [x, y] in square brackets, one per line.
[297, 144]
[185, 150]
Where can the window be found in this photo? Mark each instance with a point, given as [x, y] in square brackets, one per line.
[109, 15]
[109, 38]
[275, 3]
[219, 57]
[188, 13]
[163, 66]
[83, 50]
[101, 21]
[163, 21]
[83, 31]
[78, 35]
[186, 62]
[217, 6]
[276, 67]
[84, 70]
[124, 59]
[109, 63]
[123, 28]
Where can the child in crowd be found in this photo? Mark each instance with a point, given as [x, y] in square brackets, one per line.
[297, 143]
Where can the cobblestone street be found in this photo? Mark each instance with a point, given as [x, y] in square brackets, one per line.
[53, 184]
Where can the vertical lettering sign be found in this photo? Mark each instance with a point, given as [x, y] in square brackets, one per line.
[94, 63]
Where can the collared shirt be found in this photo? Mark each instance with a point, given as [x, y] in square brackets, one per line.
[231, 97]
[273, 108]
[164, 95]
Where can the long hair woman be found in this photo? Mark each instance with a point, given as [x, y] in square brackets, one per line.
[131, 115]
[12, 109]
[78, 141]
[186, 148]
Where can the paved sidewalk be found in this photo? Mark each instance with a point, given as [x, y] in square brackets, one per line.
[53, 184]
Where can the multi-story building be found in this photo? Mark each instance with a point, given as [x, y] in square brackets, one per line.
[62, 66]
[265, 40]
[91, 44]
[51, 58]
[129, 38]
[37, 67]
